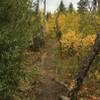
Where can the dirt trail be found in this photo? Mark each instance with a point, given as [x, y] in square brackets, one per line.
[46, 86]
[49, 89]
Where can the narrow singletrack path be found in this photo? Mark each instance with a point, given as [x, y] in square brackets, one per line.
[49, 88]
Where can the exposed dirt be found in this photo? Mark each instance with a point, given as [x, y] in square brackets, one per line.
[50, 89]
[47, 87]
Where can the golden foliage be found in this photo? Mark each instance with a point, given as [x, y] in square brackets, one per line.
[88, 41]
[61, 20]
[49, 26]
[72, 22]
[69, 22]
[72, 43]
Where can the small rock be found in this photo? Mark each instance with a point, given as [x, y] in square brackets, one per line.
[64, 98]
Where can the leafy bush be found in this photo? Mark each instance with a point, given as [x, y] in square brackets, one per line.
[14, 29]
[73, 44]
[38, 33]
[88, 41]
[10, 65]
[70, 44]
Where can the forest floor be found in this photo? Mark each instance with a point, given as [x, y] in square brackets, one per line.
[50, 88]
[45, 85]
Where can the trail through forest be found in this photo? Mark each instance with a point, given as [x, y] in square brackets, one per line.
[50, 89]
[46, 85]
[47, 55]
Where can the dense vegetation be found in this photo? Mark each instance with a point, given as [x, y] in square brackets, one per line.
[14, 37]
[26, 32]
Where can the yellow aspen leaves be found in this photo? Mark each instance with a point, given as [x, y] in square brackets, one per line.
[61, 20]
[88, 41]
[72, 43]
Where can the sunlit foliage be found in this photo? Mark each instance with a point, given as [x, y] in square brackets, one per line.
[73, 43]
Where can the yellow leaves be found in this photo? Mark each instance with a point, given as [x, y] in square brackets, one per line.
[70, 41]
[72, 22]
[61, 20]
[68, 22]
[72, 84]
[97, 74]
[98, 22]
[97, 19]
[49, 26]
[69, 37]
[73, 44]
[88, 41]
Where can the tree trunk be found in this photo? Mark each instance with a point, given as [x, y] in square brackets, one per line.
[37, 7]
[44, 7]
[72, 94]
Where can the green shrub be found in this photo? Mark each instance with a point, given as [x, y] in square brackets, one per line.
[14, 24]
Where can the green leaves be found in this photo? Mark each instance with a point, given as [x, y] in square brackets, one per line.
[15, 17]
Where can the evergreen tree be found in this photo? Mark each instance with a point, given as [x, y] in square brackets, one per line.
[62, 7]
[70, 8]
[48, 15]
[96, 4]
[45, 7]
[85, 26]
[82, 6]
[99, 7]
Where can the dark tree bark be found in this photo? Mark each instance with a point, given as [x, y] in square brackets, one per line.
[84, 68]
[37, 7]
[72, 94]
[45, 7]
